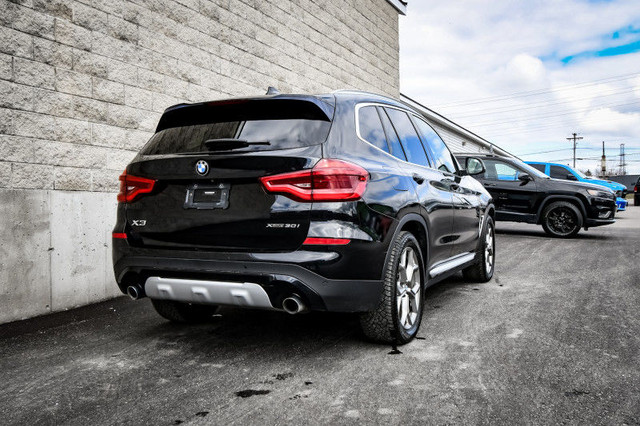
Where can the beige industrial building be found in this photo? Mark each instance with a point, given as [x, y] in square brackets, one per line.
[83, 83]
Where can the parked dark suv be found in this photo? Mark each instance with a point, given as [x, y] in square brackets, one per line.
[524, 194]
[346, 202]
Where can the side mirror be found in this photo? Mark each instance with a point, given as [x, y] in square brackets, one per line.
[524, 178]
[570, 176]
[474, 166]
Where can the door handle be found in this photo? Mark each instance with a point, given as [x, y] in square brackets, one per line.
[489, 184]
[419, 179]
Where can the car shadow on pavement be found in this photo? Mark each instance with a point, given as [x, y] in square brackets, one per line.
[542, 235]
[234, 330]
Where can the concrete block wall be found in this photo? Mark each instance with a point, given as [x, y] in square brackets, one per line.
[83, 83]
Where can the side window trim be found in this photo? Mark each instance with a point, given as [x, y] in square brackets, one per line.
[395, 132]
[359, 134]
[410, 113]
[386, 136]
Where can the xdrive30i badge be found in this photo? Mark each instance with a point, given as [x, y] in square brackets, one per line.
[202, 168]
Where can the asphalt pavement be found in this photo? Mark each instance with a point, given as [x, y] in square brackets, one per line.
[554, 338]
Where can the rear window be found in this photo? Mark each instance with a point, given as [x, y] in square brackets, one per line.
[265, 124]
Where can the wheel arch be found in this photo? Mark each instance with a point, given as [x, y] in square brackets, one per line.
[414, 223]
[568, 198]
[491, 211]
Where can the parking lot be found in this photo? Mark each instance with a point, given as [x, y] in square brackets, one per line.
[554, 338]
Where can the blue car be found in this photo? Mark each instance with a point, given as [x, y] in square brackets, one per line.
[562, 171]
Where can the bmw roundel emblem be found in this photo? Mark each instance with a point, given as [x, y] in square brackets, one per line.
[202, 167]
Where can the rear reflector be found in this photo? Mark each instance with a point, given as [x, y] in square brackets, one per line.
[120, 235]
[329, 180]
[326, 241]
[132, 187]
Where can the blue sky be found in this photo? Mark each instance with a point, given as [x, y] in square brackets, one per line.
[622, 48]
[525, 75]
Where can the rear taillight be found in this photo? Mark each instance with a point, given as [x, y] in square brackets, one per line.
[119, 235]
[329, 180]
[132, 187]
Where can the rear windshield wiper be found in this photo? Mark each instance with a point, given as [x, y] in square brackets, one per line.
[227, 144]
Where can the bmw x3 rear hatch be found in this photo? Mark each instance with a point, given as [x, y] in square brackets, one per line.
[196, 183]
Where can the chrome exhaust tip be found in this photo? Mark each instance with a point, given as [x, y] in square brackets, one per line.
[294, 305]
[135, 292]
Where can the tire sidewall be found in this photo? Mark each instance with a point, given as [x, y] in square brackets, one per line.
[489, 225]
[406, 240]
[558, 204]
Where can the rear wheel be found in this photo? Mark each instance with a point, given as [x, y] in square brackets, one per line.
[397, 317]
[561, 219]
[183, 312]
[482, 270]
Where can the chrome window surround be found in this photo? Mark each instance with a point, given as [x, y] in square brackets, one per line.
[411, 113]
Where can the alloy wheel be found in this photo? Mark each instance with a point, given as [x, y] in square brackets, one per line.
[408, 288]
[489, 249]
[562, 220]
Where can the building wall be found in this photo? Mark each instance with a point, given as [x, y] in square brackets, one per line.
[83, 83]
[627, 180]
[458, 143]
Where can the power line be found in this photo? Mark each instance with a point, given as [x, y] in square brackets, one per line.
[539, 91]
[544, 152]
[548, 115]
[507, 109]
[554, 150]
[592, 158]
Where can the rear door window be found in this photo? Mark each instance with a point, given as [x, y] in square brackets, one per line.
[370, 127]
[408, 137]
[266, 125]
[439, 150]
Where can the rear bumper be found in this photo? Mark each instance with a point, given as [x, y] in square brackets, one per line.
[278, 280]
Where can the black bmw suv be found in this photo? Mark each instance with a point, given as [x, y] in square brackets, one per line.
[345, 202]
[524, 194]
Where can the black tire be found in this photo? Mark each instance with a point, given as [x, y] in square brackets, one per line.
[562, 219]
[636, 200]
[183, 312]
[482, 270]
[386, 323]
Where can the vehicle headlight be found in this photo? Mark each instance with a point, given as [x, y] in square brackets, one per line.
[601, 194]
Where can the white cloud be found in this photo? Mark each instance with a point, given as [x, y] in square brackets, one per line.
[610, 122]
[453, 52]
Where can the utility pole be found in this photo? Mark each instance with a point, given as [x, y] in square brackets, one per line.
[575, 138]
[604, 161]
